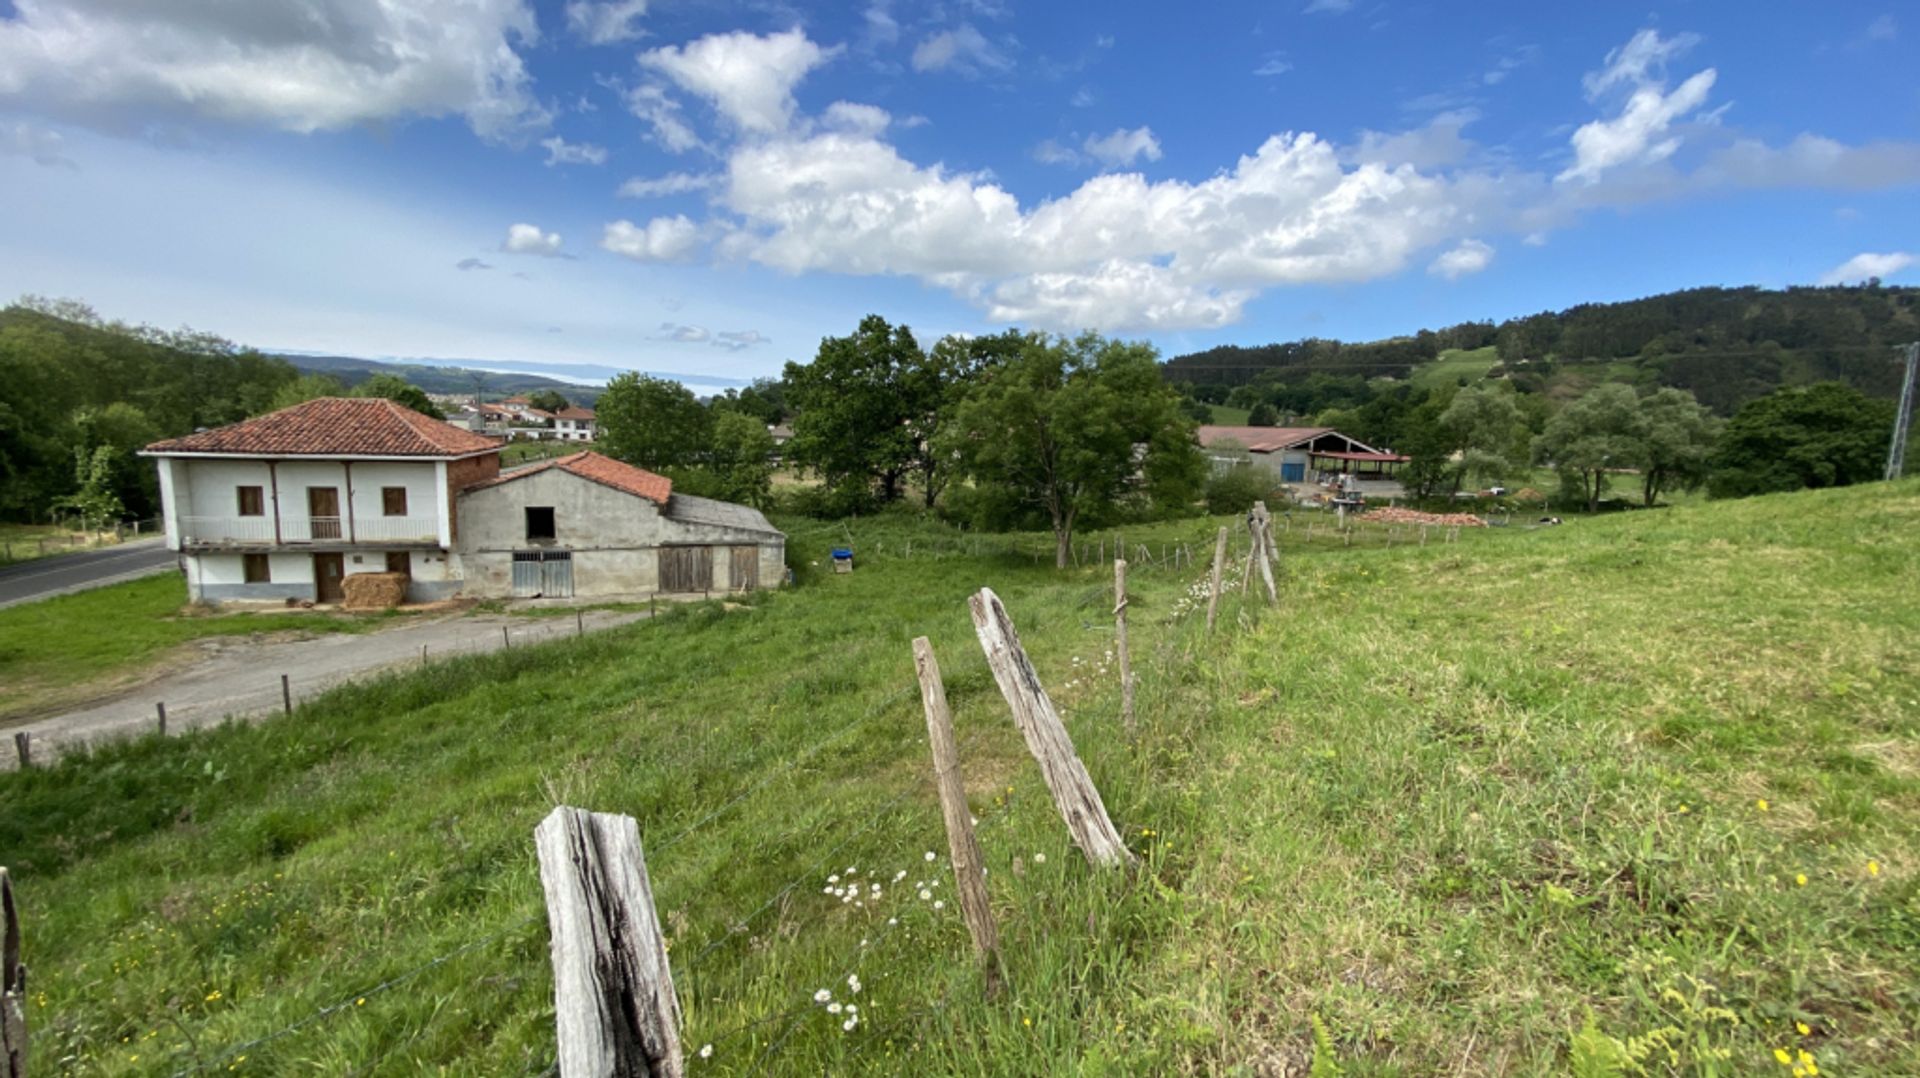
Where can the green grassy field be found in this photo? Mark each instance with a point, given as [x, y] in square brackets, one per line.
[60, 650]
[1641, 787]
[1454, 364]
[1229, 417]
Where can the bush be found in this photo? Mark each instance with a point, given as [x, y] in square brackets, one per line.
[1236, 489]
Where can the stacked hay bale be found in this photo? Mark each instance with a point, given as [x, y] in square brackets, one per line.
[376, 591]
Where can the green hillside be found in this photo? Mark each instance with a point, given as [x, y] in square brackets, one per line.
[1656, 776]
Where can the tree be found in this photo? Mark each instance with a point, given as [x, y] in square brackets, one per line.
[95, 501]
[305, 388]
[741, 459]
[548, 400]
[1679, 443]
[1823, 435]
[1073, 426]
[1599, 432]
[1262, 415]
[1486, 431]
[652, 422]
[397, 389]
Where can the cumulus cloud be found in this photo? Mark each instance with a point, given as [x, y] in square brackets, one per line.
[1123, 147]
[1640, 133]
[1468, 257]
[525, 239]
[1438, 144]
[662, 114]
[856, 118]
[562, 152]
[1867, 264]
[1050, 152]
[963, 50]
[748, 78]
[605, 22]
[673, 183]
[318, 65]
[663, 239]
[738, 340]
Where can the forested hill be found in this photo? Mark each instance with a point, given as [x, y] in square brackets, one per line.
[352, 370]
[1727, 345]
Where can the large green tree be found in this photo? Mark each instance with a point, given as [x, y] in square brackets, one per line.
[652, 422]
[1486, 431]
[1679, 434]
[1824, 435]
[1595, 435]
[740, 459]
[1072, 427]
[548, 400]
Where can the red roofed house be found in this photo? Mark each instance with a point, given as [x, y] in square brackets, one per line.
[288, 504]
[588, 525]
[573, 424]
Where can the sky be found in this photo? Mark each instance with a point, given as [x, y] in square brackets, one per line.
[710, 188]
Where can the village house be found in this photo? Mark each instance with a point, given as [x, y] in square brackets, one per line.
[287, 505]
[573, 424]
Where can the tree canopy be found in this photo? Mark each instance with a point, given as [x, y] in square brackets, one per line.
[1825, 435]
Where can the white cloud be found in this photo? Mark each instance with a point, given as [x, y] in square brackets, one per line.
[663, 239]
[1437, 145]
[1050, 152]
[662, 113]
[1329, 7]
[1867, 264]
[1123, 147]
[1883, 28]
[318, 65]
[1813, 161]
[562, 152]
[674, 331]
[738, 340]
[524, 239]
[749, 78]
[882, 27]
[1639, 135]
[673, 183]
[856, 118]
[606, 22]
[1641, 61]
[1273, 66]
[1468, 257]
[962, 49]
[44, 147]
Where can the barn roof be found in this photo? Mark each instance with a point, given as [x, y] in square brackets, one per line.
[606, 471]
[1261, 439]
[690, 509]
[334, 427]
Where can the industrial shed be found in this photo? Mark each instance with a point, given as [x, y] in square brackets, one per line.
[589, 526]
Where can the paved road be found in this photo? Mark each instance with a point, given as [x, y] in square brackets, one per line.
[241, 677]
[62, 573]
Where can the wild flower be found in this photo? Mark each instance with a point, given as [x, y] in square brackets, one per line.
[1039, 858]
[1873, 868]
[847, 1026]
[822, 996]
[900, 875]
[925, 894]
[1800, 879]
[706, 1051]
[1803, 1028]
[1761, 804]
[939, 905]
[1783, 1056]
[853, 983]
[930, 855]
[833, 1008]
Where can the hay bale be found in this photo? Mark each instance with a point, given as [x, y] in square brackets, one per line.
[375, 591]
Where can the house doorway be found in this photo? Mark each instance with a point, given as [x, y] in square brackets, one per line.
[329, 574]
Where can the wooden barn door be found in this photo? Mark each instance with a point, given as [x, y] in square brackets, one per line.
[746, 568]
[686, 568]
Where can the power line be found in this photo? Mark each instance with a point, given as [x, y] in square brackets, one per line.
[1897, 448]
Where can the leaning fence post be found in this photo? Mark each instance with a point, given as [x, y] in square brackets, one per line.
[1120, 642]
[505, 640]
[969, 872]
[13, 987]
[614, 1009]
[1219, 565]
[579, 624]
[1073, 791]
[286, 694]
[1262, 547]
[23, 745]
[160, 712]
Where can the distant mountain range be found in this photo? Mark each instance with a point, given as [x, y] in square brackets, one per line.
[581, 383]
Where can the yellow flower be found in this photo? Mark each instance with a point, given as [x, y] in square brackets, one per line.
[361, 1002]
[1781, 1055]
[1802, 1027]
[1026, 1021]
[1684, 809]
[1761, 804]
[1873, 868]
[1800, 879]
[213, 995]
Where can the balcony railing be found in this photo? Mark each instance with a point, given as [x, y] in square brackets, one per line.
[257, 531]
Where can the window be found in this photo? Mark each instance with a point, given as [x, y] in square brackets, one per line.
[540, 522]
[393, 501]
[253, 502]
[253, 567]
[399, 561]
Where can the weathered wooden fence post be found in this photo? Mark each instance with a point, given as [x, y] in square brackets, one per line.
[579, 624]
[1120, 643]
[13, 987]
[286, 694]
[160, 713]
[1073, 791]
[969, 866]
[1219, 565]
[615, 1012]
[23, 745]
[505, 640]
[1263, 548]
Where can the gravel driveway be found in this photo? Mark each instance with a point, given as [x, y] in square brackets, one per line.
[241, 677]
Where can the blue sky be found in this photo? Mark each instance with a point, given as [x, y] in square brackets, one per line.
[710, 188]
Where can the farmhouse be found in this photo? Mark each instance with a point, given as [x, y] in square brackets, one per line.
[573, 424]
[588, 525]
[287, 505]
[1301, 454]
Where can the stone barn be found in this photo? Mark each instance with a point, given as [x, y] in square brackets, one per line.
[589, 526]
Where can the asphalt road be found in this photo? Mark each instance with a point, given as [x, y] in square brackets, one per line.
[62, 573]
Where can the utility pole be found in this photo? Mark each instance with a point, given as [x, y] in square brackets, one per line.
[1897, 451]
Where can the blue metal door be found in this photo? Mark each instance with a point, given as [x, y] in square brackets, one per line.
[1294, 472]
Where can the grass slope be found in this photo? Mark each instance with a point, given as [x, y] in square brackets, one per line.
[1452, 801]
[1454, 364]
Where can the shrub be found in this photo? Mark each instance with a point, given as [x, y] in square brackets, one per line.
[1236, 489]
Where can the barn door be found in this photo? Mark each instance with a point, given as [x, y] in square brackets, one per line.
[746, 568]
[686, 568]
[556, 574]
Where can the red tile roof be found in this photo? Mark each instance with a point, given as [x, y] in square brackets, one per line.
[1261, 439]
[334, 427]
[573, 411]
[603, 470]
